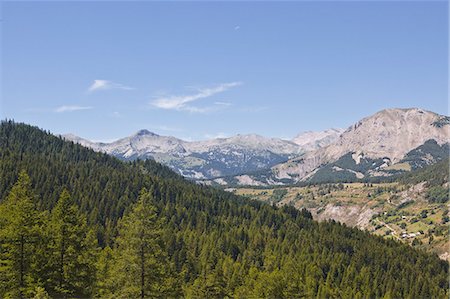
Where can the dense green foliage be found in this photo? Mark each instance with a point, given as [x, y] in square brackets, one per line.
[102, 186]
[424, 154]
[53, 251]
[417, 158]
[20, 228]
[435, 175]
[138, 266]
[278, 195]
[437, 194]
[129, 230]
[347, 170]
[436, 179]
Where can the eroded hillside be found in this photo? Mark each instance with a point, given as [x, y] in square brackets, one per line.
[393, 210]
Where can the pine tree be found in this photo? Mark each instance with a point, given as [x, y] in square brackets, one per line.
[140, 265]
[104, 280]
[73, 250]
[41, 293]
[19, 238]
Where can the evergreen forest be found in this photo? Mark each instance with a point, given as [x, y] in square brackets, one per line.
[75, 223]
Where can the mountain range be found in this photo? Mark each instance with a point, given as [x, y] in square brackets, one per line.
[388, 142]
[213, 158]
[380, 145]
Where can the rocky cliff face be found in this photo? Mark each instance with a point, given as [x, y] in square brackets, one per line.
[389, 134]
[314, 140]
[388, 141]
[208, 158]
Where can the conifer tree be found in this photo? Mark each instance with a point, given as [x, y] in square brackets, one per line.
[140, 265]
[19, 238]
[73, 250]
[104, 280]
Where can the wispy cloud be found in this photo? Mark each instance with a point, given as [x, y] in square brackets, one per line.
[70, 108]
[106, 85]
[237, 27]
[181, 103]
[223, 103]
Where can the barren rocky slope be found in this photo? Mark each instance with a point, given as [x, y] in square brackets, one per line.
[390, 134]
[208, 158]
[373, 146]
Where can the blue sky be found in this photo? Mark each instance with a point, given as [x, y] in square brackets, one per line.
[194, 70]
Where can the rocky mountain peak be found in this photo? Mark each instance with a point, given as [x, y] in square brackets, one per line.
[390, 133]
[145, 132]
[311, 140]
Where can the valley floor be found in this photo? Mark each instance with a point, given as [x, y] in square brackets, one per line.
[391, 210]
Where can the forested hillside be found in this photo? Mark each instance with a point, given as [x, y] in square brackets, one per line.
[435, 175]
[80, 224]
[436, 179]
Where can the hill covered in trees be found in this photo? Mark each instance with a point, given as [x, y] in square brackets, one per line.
[435, 175]
[80, 224]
